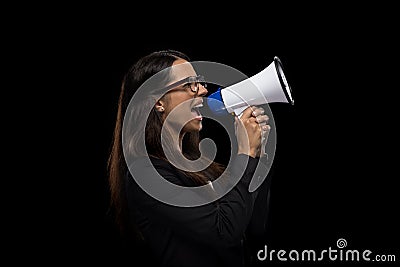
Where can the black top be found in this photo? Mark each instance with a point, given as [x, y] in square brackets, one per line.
[208, 235]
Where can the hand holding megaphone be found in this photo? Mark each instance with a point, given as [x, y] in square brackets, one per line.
[268, 86]
[252, 131]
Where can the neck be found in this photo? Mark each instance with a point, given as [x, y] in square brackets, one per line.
[181, 135]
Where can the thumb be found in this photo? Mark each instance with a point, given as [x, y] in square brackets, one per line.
[236, 120]
[247, 113]
[237, 123]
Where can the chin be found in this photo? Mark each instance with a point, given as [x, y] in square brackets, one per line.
[193, 126]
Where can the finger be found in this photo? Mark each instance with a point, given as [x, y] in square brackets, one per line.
[266, 128]
[252, 120]
[262, 118]
[247, 113]
[257, 111]
[265, 132]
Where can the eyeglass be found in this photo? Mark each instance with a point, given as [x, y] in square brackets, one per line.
[193, 82]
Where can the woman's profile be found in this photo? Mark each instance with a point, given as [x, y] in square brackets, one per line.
[164, 129]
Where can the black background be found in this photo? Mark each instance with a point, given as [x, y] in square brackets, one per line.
[335, 168]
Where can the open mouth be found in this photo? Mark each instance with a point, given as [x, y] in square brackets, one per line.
[196, 109]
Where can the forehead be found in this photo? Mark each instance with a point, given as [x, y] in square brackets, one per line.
[181, 69]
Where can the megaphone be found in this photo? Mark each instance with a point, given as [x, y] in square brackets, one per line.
[268, 86]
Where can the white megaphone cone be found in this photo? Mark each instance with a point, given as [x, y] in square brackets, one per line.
[268, 86]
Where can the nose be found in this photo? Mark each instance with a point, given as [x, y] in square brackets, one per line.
[202, 90]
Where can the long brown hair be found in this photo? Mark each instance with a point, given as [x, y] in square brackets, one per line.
[139, 73]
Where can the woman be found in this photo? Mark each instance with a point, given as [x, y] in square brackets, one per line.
[201, 235]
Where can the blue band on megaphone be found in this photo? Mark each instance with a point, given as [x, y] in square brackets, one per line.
[216, 104]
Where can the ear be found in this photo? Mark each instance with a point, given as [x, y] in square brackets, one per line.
[160, 106]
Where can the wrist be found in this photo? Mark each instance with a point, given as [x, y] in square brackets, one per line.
[250, 152]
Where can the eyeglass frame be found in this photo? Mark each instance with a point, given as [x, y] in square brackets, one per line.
[199, 79]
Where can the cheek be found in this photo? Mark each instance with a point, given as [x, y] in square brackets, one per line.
[178, 111]
[175, 101]
[179, 106]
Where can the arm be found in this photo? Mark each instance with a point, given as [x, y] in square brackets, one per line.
[258, 224]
